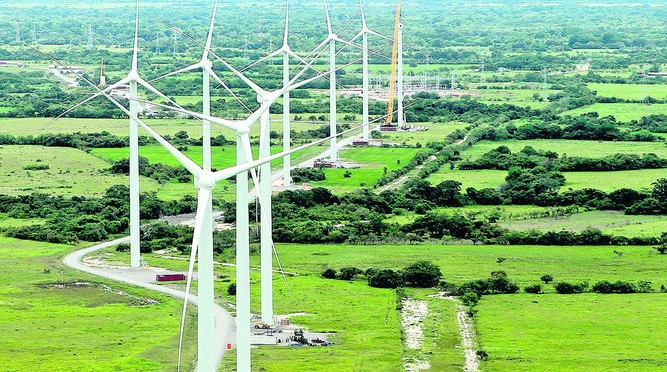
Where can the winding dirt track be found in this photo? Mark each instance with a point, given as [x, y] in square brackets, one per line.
[225, 325]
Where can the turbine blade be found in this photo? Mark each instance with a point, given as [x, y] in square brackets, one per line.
[148, 86]
[239, 74]
[247, 150]
[184, 69]
[209, 38]
[78, 104]
[353, 45]
[203, 200]
[225, 123]
[136, 39]
[380, 35]
[326, 10]
[273, 54]
[286, 32]
[219, 80]
[360, 34]
[363, 14]
[232, 171]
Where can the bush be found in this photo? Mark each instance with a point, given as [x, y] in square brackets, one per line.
[470, 298]
[231, 290]
[347, 273]
[547, 278]
[386, 278]
[300, 175]
[123, 247]
[535, 289]
[422, 274]
[569, 288]
[619, 286]
[329, 274]
[34, 167]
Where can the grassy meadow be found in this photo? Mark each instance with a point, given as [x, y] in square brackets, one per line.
[630, 91]
[605, 181]
[621, 111]
[591, 149]
[364, 317]
[70, 172]
[583, 332]
[60, 322]
[607, 221]
[371, 161]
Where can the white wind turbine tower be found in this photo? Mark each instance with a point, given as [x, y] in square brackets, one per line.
[134, 80]
[365, 31]
[332, 86]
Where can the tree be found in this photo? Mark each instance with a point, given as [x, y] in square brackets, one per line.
[547, 278]
[660, 190]
[422, 274]
[348, 273]
[329, 273]
[535, 288]
[386, 278]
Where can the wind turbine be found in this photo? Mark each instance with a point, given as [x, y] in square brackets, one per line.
[365, 31]
[134, 80]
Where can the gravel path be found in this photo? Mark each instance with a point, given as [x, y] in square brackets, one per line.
[466, 330]
[224, 323]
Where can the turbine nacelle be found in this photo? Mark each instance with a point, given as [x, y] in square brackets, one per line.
[206, 180]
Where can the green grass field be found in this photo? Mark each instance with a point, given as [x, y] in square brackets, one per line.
[520, 97]
[120, 127]
[222, 156]
[435, 132]
[607, 221]
[48, 328]
[584, 332]
[605, 181]
[366, 323]
[621, 111]
[459, 263]
[372, 161]
[592, 149]
[71, 172]
[502, 212]
[630, 91]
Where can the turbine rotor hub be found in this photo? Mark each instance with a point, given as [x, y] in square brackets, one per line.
[205, 180]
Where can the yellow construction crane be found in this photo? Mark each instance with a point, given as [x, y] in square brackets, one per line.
[394, 63]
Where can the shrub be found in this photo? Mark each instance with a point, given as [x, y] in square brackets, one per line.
[569, 288]
[422, 274]
[535, 288]
[329, 274]
[124, 247]
[386, 278]
[348, 273]
[231, 290]
[470, 298]
[619, 286]
[34, 167]
[547, 278]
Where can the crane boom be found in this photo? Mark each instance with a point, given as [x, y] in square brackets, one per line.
[394, 62]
